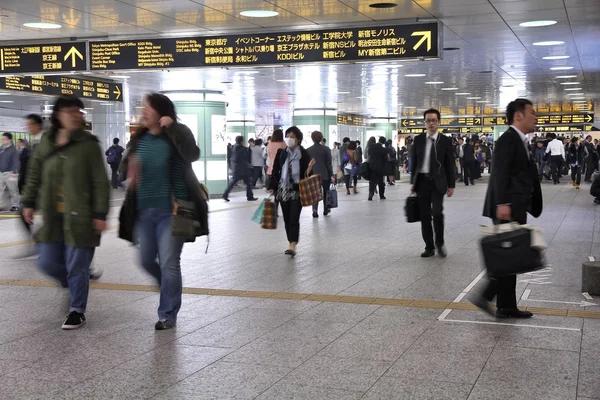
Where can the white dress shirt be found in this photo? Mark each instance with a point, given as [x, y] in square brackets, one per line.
[426, 160]
[556, 148]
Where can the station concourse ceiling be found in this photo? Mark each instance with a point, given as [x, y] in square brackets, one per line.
[487, 53]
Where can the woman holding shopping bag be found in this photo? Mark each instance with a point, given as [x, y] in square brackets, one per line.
[291, 165]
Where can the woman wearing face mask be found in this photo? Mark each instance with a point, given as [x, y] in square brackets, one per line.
[159, 167]
[67, 183]
[290, 165]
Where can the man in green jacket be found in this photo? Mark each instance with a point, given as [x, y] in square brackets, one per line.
[67, 184]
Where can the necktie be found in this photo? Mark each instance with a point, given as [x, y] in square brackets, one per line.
[432, 158]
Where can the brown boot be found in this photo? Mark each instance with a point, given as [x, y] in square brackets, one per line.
[355, 191]
[347, 192]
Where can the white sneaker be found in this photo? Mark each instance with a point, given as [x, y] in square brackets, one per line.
[95, 273]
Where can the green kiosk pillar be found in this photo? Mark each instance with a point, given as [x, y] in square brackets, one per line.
[203, 111]
[323, 120]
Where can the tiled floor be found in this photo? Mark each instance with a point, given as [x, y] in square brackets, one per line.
[244, 345]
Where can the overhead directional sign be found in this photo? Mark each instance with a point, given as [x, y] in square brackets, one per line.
[493, 121]
[65, 85]
[562, 119]
[340, 45]
[351, 119]
[459, 121]
[561, 128]
[43, 58]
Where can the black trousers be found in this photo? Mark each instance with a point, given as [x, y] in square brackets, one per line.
[257, 174]
[555, 163]
[503, 289]
[325, 197]
[348, 178]
[576, 174]
[115, 177]
[291, 217]
[236, 179]
[590, 168]
[431, 204]
[376, 179]
[469, 171]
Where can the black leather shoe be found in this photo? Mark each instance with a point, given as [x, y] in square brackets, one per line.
[382, 197]
[512, 313]
[315, 215]
[428, 253]
[442, 251]
[253, 199]
[370, 198]
[482, 304]
[225, 198]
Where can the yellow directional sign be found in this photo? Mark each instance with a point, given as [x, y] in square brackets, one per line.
[73, 52]
[71, 19]
[589, 118]
[426, 36]
[117, 92]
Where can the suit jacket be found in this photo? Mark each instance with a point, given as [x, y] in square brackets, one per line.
[444, 175]
[468, 153]
[323, 157]
[514, 180]
[378, 158]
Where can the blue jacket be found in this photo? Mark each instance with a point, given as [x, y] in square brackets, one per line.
[9, 159]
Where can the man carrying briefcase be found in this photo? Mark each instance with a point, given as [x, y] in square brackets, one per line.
[513, 191]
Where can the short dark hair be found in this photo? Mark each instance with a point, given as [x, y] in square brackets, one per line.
[316, 137]
[297, 132]
[21, 141]
[515, 106]
[574, 139]
[461, 138]
[239, 139]
[258, 142]
[346, 140]
[432, 111]
[277, 136]
[358, 142]
[59, 104]
[382, 139]
[35, 118]
[116, 140]
[7, 135]
[250, 140]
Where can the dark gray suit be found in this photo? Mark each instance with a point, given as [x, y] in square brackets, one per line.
[323, 167]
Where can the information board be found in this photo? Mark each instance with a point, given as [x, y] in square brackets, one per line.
[561, 128]
[84, 88]
[562, 119]
[56, 57]
[333, 45]
[351, 119]
[458, 122]
[494, 121]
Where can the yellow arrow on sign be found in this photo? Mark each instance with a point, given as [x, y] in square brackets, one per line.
[404, 122]
[117, 92]
[477, 121]
[588, 118]
[73, 52]
[426, 35]
[71, 19]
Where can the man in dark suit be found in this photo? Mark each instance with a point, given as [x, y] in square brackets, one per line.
[469, 163]
[591, 160]
[323, 167]
[432, 178]
[513, 191]
[378, 158]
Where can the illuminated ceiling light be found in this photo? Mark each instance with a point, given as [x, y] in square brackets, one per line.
[42, 25]
[4, 94]
[472, 98]
[414, 75]
[560, 68]
[565, 76]
[434, 83]
[6, 101]
[119, 76]
[570, 83]
[285, 80]
[575, 88]
[575, 94]
[535, 24]
[259, 13]
[482, 101]
[343, 92]
[90, 108]
[549, 43]
[410, 107]
[383, 5]
[463, 94]
[556, 57]
[450, 88]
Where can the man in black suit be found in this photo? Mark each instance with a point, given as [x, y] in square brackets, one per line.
[513, 191]
[433, 177]
[469, 163]
[378, 157]
[591, 160]
[323, 167]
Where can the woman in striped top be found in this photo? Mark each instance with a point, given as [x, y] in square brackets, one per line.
[159, 155]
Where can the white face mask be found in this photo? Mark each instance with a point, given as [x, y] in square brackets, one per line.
[290, 142]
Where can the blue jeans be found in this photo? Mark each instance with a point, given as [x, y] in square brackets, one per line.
[161, 254]
[70, 266]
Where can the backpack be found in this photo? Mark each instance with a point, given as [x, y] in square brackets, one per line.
[111, 158]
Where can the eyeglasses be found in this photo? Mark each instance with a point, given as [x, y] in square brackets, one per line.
[431, 121]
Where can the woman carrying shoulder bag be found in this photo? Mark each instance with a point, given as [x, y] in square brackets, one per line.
[291, 165]
[160, 176]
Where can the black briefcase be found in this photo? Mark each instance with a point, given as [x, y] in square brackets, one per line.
[411, 209]
[510, 253]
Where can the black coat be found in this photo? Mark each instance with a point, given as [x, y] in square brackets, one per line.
[378, 158]
[24, 158]
[514, 180]
[280, 160]
[468, 153]
[444, 176]
[240, 160]
[576, 154]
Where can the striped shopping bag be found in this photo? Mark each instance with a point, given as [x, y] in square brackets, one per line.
[268, 219]
[311, 190]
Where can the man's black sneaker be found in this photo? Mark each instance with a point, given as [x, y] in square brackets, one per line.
[428, 253]
[164, 324]
[14, 209]
[253, 199]
[74, 320]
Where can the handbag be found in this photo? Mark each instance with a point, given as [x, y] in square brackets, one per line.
[257, 217]
[184, 221]
[365, 171]
[311, 190]
[332, 198]
[268, 218]
[411, 209]
[511, 252]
